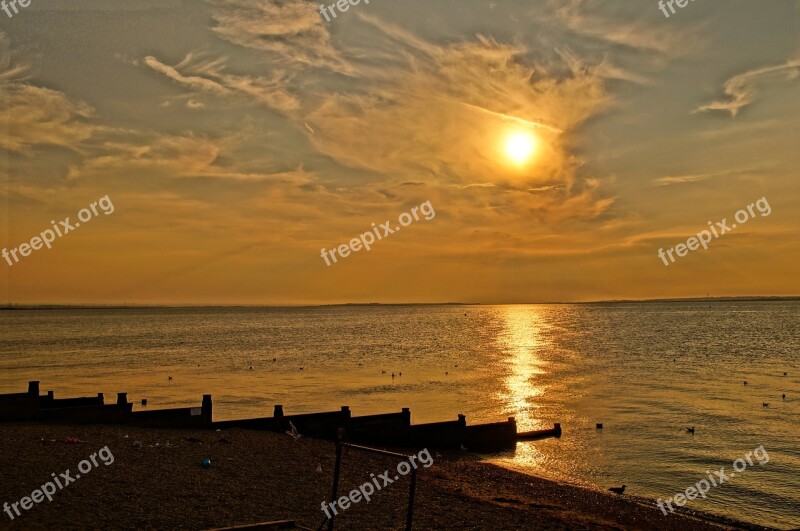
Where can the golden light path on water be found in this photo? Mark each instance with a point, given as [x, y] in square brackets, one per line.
[522, 341]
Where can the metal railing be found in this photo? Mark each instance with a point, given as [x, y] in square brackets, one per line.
[340, 444]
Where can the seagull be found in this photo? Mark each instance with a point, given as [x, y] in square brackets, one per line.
[383, 372]
[618, 490]
[169, 378]
[783, 396]
[745, 382]
[274, 359]
[301, 368]
[764, 404]
[786, 374]
[293, 432]
[392, 375]
[690, 430]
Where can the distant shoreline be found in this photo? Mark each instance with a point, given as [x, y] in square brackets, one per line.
[8, 307]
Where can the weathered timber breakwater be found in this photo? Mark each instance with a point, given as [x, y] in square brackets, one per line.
[394, 429]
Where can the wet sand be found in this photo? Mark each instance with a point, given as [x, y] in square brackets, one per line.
[260, 476]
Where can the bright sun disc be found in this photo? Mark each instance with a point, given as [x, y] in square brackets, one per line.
[520, 147]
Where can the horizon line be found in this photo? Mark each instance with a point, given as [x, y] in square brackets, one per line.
[735, 298]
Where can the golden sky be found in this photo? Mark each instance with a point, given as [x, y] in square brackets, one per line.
[560, 143]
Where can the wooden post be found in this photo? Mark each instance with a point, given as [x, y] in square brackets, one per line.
[33, 389]
[207, 408]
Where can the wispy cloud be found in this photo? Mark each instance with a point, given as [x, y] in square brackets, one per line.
[699, 177]
[209, 77]
[619, 26]
[193, 82]
[742, 89]
[37, 116]
[291, 31]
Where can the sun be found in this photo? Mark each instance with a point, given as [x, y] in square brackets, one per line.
[520, 147]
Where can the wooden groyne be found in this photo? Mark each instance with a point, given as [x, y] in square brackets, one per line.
[393, 429]
[540, 434]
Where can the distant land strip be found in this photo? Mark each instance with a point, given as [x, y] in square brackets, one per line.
[755, 298]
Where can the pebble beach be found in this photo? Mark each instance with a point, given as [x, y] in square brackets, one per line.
[157, 481]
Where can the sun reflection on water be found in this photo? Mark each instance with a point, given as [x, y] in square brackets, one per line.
[521, 342]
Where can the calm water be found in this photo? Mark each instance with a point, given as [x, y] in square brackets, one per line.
[645, 370]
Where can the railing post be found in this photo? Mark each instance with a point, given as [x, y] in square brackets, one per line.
[336, 469]
[410, 516]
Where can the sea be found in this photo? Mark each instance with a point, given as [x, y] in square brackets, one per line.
[646, 371]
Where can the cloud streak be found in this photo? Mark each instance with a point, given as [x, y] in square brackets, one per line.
[742, 90]
[288, 30]
[208, 77]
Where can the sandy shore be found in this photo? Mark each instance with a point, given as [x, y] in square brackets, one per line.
[258, 476]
